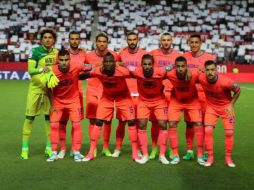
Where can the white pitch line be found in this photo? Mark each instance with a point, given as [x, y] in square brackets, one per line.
[247, 88]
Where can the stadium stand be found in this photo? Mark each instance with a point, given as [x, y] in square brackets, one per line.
[227, 27]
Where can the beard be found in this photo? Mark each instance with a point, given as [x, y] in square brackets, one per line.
[109, 72]
[63, 69]
[74, 47]
[148, 74]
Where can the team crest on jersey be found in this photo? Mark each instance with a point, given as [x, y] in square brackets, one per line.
[49, 61]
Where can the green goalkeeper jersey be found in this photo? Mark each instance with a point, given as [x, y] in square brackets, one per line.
[40, 57]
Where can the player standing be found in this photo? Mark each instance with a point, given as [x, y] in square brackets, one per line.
[94, 89]
[220, 103]
[77, 55]
[115, 94]
[151, 101]
[163, 56]
[196, 59]
[130, 57]
[66, 99]
[40, 61]
[184, 99]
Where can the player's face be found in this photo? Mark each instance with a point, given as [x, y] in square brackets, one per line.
[181, 69]
[195, 44]
[74, 41]
[132, 41]
[102, 43]
[48, 40]
[109, 63]
[64, 63]
[211, 72]
[166, 41]
[147, 66]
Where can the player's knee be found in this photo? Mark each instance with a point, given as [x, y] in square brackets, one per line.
[46, 117]
[229, 132]
[162, 124]
[131, 123]
[30, 118]
[142, 124]
[189, 124]
[172, 124]
[99, 122]
[197, 124]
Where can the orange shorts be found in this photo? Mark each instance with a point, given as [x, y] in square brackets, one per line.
[202, 101]
[92, 98]
[65, 115]
[134, 103]
[106, 106]
[212, 115]
[145, 109]
[73, 112]
[191, 110]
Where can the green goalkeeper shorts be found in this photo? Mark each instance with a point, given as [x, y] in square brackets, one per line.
[37, 104]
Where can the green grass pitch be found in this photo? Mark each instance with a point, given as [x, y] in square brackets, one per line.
[122, 173]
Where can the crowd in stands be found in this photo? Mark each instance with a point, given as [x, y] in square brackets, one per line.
[227, 27]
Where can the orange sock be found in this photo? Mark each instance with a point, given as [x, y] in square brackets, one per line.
[163, 141]
[120, 132]
[54, 135]
[143, 141]
[209, 143]
[199, 131]
[133, 136]
[94, 139]
[106, 135]
[189, 134]
[76, 136]
[229, 142]
[62, 134]
[173, 140]
[154, 133]
[90, 130]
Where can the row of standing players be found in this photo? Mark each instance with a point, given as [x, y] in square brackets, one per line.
[131, 57]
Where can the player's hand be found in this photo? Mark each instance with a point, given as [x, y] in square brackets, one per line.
[98, 64]
[87, 67]
[52, 80]
[230, 109]
[188, 75]
[118, 63]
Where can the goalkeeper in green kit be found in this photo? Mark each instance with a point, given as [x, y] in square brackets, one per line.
[40, 62]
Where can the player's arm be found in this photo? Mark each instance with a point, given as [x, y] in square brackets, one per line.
[236, 93]
[33, 70]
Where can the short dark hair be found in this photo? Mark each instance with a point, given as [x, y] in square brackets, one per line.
[131, 33]
[166, 34]
[148, 56]
[48, 30]
[74, 32]
[63, 52]
[109, 55]
[181, 58]
[195, 36]
[102, 34]
[210, 62]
